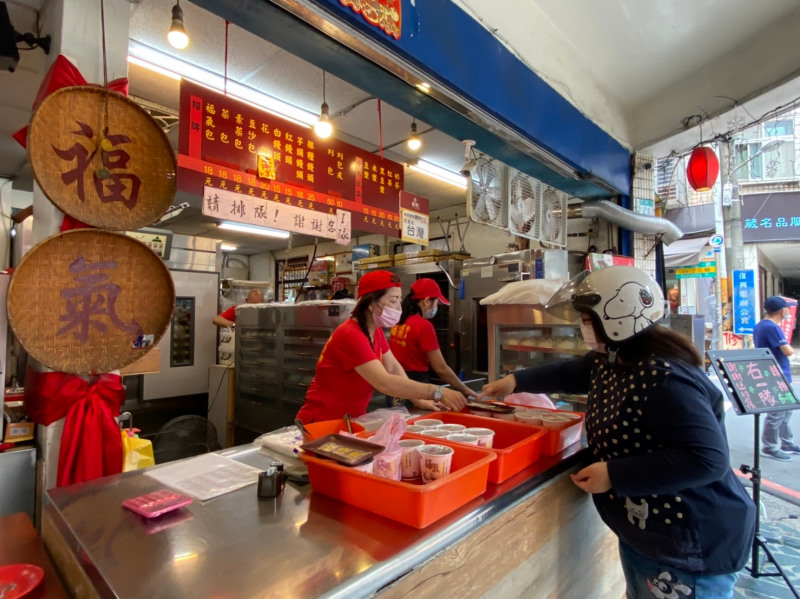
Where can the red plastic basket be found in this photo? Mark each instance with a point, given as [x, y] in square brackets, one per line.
[412, 503]
[558, 439]
[331, 427]
[516, 445]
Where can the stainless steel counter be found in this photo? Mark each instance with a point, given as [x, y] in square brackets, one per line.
[300, 545]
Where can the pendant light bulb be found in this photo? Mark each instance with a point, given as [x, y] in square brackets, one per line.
[414, 142]
[323, 128]
[177, 36]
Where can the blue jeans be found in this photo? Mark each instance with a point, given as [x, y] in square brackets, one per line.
[646, 579]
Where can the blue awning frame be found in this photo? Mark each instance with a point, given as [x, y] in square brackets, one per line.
[480, 90]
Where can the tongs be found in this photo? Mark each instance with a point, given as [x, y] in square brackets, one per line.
[347, 418]
[303, 430]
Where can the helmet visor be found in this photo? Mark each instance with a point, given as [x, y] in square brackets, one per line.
[560, 305]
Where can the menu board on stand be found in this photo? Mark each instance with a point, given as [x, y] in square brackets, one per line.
[252, 166]
[753, 381]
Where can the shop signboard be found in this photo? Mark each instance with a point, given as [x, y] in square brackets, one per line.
[771, 217]
[701, 271]
[386, 15]
[745, 313]
[231, 145]
[414, 223]
[242, 208]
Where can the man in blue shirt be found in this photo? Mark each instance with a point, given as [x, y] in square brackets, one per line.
[768, 333]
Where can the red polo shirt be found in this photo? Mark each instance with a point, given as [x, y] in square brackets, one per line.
[411, 341]
[337, 388]
[229, 314]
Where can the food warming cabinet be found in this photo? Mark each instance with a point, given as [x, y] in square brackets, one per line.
[277, 347]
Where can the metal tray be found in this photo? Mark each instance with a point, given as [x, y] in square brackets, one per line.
[344, 450]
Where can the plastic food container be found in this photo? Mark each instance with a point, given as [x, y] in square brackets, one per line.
[560, 435]
[516, 445]
[408, 502]
[331, 427]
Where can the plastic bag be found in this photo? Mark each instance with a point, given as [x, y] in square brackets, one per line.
[532, 291]
[227, 346]
[136, 453]
[538, 400]
[373, 420]
[388, 462]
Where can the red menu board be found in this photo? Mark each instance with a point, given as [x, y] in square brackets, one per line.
[220, 142]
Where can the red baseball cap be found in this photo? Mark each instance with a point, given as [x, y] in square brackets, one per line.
[424, 288]
[377, 280]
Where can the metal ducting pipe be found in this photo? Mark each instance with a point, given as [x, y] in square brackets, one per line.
[640, 223]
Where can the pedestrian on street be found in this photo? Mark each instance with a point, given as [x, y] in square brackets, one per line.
[768, 334]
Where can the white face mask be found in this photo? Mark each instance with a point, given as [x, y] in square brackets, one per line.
[587, 330]
[388, 317]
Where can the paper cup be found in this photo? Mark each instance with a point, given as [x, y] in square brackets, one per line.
[435, 461]
[365, 467]
[453, 428]
[485, 436]
[463, 438]
[436, 432]
[428, 422]
[533, 418]
[410, 459]
[555, 420]
[511, 416]
[414, 428]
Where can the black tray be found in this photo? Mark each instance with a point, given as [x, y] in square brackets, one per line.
[347, 451]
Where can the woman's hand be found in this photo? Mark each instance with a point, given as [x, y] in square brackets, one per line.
[453, 400]
[505, 386]
[594, 478]
[429, 405]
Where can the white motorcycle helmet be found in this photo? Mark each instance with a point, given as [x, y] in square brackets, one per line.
[622, 300]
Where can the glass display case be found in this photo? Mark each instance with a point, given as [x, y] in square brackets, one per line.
[526, 335]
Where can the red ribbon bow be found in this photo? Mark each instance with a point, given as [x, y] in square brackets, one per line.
[91, 444]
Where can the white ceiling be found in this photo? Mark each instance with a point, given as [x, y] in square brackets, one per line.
[639, 49]
[641, 53]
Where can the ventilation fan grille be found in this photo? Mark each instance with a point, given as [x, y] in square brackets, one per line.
[525, 205]
[554, 218]
[487, 193]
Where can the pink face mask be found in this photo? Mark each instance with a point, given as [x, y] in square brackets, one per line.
[388, 317]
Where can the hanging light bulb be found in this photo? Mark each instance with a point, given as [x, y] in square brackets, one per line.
[177, 36]
[414, 142]
[323, 127]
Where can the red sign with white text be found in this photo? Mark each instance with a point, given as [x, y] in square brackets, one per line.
[787, 325]
[221, 138]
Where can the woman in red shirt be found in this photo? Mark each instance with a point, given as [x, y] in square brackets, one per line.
[413, 340]
[356, 360]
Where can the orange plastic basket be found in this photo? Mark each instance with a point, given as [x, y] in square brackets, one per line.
[412, 503]
[516, 445]
[558, 439]
[331, 427]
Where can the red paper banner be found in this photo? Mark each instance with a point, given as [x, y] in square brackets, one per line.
[328, 174]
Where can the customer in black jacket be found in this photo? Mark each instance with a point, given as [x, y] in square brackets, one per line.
[661, 479]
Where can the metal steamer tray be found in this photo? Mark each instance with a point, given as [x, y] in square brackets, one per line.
[347, 451]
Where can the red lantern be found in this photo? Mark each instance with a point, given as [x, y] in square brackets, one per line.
[703, 169]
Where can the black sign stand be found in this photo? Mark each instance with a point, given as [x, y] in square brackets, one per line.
[722, 361]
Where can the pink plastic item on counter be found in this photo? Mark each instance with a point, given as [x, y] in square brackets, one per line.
[537, 400]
